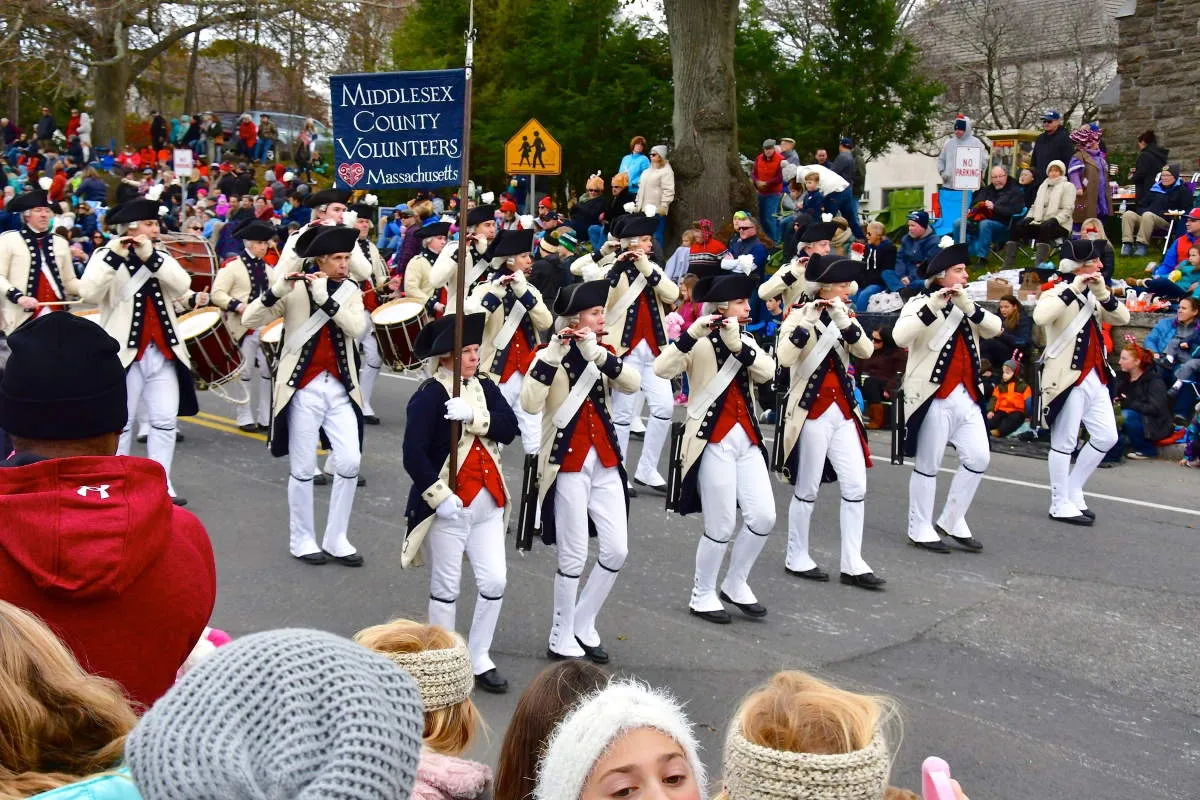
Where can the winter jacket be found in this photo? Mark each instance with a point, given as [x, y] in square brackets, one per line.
[633, 165]
[1007, 202]
[914, 252]
[844, 165]
[45, 127]
[1147, 169]
[1148, 397]
[657, 189]
[267, 130]
[115, 785]
[1051, 147]
[442, 777]
[248, 133]
[1188, 278]
[1055, 200]
[94, 547]
[877, 258]
[770, 172]
[1160, 199]
[1176, 254]
[1009, 396]
[945, 160]
[1167, 336]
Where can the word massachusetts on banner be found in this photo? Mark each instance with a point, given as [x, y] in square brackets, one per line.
[394, 129]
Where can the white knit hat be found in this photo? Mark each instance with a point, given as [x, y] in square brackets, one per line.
[754, 772]
[583, 736]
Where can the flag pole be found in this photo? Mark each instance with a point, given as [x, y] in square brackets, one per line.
[460, 289]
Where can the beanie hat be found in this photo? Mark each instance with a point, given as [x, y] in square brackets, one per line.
[63, 381]
[754, 772]
[661, 149]
[290, 713]
[584, 735]
[1013, 365]
[919, 217]
[1174, 169]
[443, 675]
[1056, 163]
[621, 179]
[960, 123]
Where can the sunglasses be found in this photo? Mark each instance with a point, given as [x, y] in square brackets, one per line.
[743, 227]
[876, 340]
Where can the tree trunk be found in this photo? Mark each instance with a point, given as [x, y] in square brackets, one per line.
[189, 96]
[709, 180]
[110, 87]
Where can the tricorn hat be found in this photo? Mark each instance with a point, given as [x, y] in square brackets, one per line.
[831, 269]
[723, 288]
[437, 338]
[580, 296]
[322, 240]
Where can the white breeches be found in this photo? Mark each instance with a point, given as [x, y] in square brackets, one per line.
[152, 378]
[657, 392]
[1088, 404]
[372, 361]
[956, 420]
[256, 380]
[530, 424]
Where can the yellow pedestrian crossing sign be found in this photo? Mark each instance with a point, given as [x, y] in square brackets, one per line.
[533, 151]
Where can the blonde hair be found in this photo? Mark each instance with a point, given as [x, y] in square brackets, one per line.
[812, 176]
[875, 226]
[449, 730]
[58, 724]
[690, 236]
[423, 209]
[1093, 222]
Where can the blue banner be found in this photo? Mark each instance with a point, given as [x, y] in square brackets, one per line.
[397, 129]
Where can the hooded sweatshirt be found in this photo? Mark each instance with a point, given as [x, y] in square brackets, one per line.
[441, 777]
[945, 162]
[93, 546]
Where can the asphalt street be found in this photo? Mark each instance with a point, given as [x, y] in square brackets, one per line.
[1060, 662]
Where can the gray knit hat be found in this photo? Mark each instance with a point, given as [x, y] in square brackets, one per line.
[295, 714]
[754, 772]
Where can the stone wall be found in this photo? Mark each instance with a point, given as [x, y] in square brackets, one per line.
[1155, 58]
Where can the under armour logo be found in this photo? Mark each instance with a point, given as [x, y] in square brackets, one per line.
[101, 490]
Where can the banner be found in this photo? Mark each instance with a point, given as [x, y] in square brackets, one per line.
[397, 129]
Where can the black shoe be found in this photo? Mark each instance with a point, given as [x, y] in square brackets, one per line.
[491, 681]
[755, 610]
[361, 482]
[1082, 520]
[720, 616]
[630, 491]
[934, 547]
[352, 560]
[814, 574]
[867, 580]
[142, 437]
[968, 543]
[179, 437]
[553, 656]
[1087, 512]
[597, 654]
[661, 488]
[639, 435]
[320, 479]
[370, 419]
[264, 428]
[179, 501]
[311, 558]
[249, 427]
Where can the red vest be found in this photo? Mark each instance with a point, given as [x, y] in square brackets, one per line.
[1093, 357]
[153, 333]
[589, 433]
[643, 326]
[324, 359]
[477, 473]
[733, 413]
[520, 353]
[958, 371]
[829, 394]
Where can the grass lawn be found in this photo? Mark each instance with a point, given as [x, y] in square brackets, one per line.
[1127, 267]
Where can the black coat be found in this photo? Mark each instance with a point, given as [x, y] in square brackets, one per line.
[1006, 202]
[1176, 198]
[1147, 169]
[548, 275]
[1050, 147]
[1147, 396]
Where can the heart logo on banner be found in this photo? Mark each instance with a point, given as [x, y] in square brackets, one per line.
[350, 173]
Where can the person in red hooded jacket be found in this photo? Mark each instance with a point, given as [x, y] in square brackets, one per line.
[89, 541]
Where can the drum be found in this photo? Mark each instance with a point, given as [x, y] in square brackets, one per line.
[92, 314]
[270, 341]
[195, 255]
[216, 359]
[396, 327]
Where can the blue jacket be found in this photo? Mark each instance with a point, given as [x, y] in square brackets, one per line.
[1159, 339]
[113, 786]
[914, 252]
[633, 165]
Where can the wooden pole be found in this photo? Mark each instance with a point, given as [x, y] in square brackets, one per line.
[460, 289]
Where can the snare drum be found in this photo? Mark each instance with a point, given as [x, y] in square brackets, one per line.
[215, 356]
[396, 327]
[92, 314]
[270, 342]
[195, 255]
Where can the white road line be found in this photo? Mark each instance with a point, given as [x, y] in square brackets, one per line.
[403, 377]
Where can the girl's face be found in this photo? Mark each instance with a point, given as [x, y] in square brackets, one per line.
[644, 764]
[1007, 308]
[685, 293]
[1054, 172]
[1194, 257]
[1126, 362]
[1007, 373]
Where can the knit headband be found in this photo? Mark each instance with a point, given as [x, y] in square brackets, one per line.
[754, 772]
[443, 676]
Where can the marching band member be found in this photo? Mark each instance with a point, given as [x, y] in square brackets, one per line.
[135, 286]
[316, 386]
[639, 298]
[418, 284]
[515, 316]
[480, 231]
[35, 264]
[1076, 375]
[471, 518]
[241, 280]
[724, 464]
[374, 293]
[329, 208]
[788, 280]
[581, 479]
[822, 426]
[941, 327]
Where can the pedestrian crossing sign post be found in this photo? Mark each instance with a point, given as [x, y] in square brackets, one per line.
[533, 151]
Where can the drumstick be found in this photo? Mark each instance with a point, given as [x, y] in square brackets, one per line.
[59, 303]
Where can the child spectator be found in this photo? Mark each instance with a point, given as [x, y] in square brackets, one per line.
[813, 203]
[1006, 409]
[439, 662]
[677, 264]
[764, 333]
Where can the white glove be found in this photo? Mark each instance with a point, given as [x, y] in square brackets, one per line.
[810, 312]
[117, 245]
[450, 508]
[553, 353]
[496, 289]
[1080, 283]
[519, 283]
[731, 335]
[699, 329]
[459, 410]
[144, 248]
[1100, 288]
[629, 208]
[839, 314]
[320, 290]
[349, 218]
[643, 265]
[282, 286]
[590, 348]
[938, 300]
[964, 301]
[610, 246]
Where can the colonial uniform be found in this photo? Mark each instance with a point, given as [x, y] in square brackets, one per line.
[789, 280]
[135, 290]
[444, 274]
[241, 280]
[291, 261]
[822, 432]
[33, 264]
[942, 389]
[724, 461]
[1075, 380]
[515, 316]
[374, 294]
[472, 517]
[581, 479]
[418, 281]
[639, 299]
[316, 387]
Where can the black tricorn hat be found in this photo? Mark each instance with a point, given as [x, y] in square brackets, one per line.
[723, 288]
[580, 296]
[255, 230]
[819, 232]
[432, 229]
[511, 243]
[327, 196]
[831, 269]
[322, 240]
[632, 225]
[36, 198]
[437, 338]
[480, 214]
[944, 259]
[1079, 250]
[133, 211]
